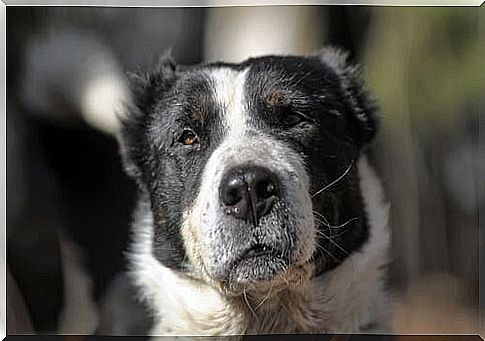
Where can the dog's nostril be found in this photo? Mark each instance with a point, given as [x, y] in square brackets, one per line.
[233, 193]
[265, 189]
[249, 192]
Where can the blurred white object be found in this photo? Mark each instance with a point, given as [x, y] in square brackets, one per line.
[233, 34]
[102, 99]
[72, 72]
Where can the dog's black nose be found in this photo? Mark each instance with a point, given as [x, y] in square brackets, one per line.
[249, 192]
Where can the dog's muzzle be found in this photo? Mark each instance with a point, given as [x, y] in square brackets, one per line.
[252, 221]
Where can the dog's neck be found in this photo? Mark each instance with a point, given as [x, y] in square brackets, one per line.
[349, 298]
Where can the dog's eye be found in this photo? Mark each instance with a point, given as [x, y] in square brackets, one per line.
[293, 118]
[188, 137]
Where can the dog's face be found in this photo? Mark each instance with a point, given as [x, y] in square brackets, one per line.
[249, 168]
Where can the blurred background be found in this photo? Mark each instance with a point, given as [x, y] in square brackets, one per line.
[66, 72]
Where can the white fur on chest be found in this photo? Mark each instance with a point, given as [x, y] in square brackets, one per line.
[344, 300]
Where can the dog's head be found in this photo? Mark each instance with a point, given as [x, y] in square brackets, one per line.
[250, 168]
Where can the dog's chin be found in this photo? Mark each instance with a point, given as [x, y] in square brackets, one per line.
[262, 267]
[258, 273]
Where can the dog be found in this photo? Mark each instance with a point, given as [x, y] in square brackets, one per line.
[258, 210]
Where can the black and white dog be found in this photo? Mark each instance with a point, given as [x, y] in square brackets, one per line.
[258, 210]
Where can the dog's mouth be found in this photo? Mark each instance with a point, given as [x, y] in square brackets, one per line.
[258, 263]
[263, 266]
[258, 250]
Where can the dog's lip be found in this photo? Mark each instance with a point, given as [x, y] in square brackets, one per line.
[257, 250]
[265, 259]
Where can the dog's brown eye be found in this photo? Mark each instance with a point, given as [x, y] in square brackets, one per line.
[189, 138]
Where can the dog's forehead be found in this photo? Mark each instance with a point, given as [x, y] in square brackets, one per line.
[227, 85]
[273, 80]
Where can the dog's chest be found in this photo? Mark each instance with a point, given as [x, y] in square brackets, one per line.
[202, 311]
[222, 317]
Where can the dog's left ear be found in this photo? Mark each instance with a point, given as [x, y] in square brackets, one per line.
[363, 121]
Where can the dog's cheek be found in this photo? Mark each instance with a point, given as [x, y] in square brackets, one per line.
[197, 229]
[303, 218]
[192, 241]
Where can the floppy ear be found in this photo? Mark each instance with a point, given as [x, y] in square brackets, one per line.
[145, 89]
[363, 121]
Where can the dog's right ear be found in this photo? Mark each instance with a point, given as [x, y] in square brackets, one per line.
[146, 88]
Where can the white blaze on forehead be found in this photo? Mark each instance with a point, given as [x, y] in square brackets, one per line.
[229, 95]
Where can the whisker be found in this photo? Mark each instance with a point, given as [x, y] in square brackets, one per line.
[335, 235]
[344, 224]
[265, 298]
[249, 305]
[339, 247]
[321, 216]
[333, 242]
[335, 259]
[336, 180]
[336, 226]
[351, 256]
